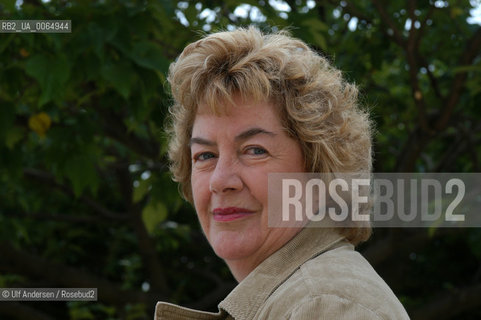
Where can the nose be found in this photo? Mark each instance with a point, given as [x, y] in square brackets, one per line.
[225, 177]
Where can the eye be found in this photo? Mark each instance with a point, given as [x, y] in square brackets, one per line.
[256, 151]
[203, 156]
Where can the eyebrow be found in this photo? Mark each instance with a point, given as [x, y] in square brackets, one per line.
[240, 137]
[253, 132]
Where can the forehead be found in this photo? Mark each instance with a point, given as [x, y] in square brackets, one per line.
[238, 115]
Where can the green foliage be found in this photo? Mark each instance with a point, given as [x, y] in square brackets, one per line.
[153, 214]
[51, 74]
[84, 179]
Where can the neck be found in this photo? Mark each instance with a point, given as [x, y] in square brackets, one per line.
[240, 268]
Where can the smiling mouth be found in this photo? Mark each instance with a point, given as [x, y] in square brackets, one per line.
[230, 213]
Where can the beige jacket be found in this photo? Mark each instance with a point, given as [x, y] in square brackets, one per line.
[316, 275]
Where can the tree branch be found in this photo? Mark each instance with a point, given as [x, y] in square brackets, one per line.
[422, 28]
[432, 80]
[397, 35]
[414, 145]
[419, 138]
[50, 180]
[412, 16]
[417, 94]
[56, 217]
[470, 52]
[464, 143]
[292, 5]
[114, 128]
[451, 154]
[146, 245]
[352, 10]
[412, 54]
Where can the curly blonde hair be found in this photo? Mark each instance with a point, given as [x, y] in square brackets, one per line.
[316, 105]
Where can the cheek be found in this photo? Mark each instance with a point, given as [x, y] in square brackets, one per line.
[257, 182]
[200, 192]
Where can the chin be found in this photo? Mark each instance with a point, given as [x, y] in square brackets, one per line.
[234, 244]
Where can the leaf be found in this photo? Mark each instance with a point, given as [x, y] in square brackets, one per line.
[166, 6]
[164, 188]
[8, 5]
[24, 53]
[150, 55]
[474, 242]
[190, 13]
[5, 42]
[40, 123]
[81, 313]
[51, 73]
[13, 136]
[456, 11]
[320, 40]
[99, 33]
[317, 28]
[121, 77]
[6, 280]
[153, 214]
[7, 118]
[80, 169]
[135, 311]
[315, 25]
[141, 190]
[467, 69]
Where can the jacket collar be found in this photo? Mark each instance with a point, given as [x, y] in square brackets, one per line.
[251, 293]
[168, 311]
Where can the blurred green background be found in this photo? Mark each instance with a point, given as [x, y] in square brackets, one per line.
[86, 199]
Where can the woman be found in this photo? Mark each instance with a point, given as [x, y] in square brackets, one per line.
[248, 104]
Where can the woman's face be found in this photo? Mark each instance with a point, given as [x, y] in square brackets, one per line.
[232, 155]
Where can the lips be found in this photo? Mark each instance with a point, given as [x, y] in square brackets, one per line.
[230, 213]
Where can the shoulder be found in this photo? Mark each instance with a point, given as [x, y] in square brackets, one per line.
[338, 284]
